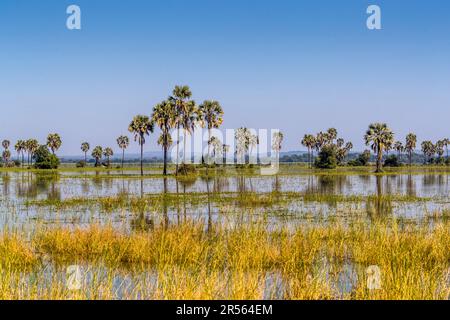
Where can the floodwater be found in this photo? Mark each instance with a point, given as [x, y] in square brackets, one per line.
[423, 193]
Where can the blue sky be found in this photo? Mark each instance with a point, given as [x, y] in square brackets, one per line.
[300, 66]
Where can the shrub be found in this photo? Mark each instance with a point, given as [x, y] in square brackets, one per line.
[44, 159]
[391, 161]
[327, 158]
[17, 163]
[362, 160]
[81, 164]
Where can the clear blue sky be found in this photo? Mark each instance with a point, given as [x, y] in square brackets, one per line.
[301, 66]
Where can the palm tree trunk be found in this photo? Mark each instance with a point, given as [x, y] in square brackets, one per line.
[142, 156]
[165, 157]
[123, 157]
[85, 158]
[309, 157]
[184, 147]
[379, 159]
[178, 151]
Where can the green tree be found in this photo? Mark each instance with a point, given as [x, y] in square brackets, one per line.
[327, 157]
[410, 145]
[54, 142]
[379, 137]
[44, 159]
[97, 154]
[164, 116]
[141, 126]
[123, 142]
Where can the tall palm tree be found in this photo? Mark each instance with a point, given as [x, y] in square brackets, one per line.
[123, 142]
[211, 116]
[6, 144]
[108, 153]
[379, 137]
[32, 146]
[189, 121]
[180, 96]
[330, 135]
[277, 141]
[6, 154]
[54, 142]
[141, 126]
[97, 154]
[309, 141]
[446, 143]
[320, 140]
[440, 148]
[398, 146]
[428, 149]
[348, 146]
[85, 148]
[243, 141]
[410, 145]
[164, 116]
[6, 157]
[225, 149]
[20, 147]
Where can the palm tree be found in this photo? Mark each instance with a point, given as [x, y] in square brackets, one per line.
[398, 146]
[277, 141]
[85, 148]
[216, 147]
[225, 149]
[330, 135]
[164, 116]
[211, 116]
[180, 96]
[141, 126]
[428, 149]
[97, 154]
[108, 153]
[6, 155]
[20, 147]
[348, 146]
[31, 145]
[440, 149]
[379, 136]
[320, 140]
[54, 142]
[189, 121]
[410, 145]
[123, 142]
[310, 142]
[243, 141]
[6, 144]
[446, 143]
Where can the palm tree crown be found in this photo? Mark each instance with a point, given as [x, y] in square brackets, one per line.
[141, 126]
[54, 142]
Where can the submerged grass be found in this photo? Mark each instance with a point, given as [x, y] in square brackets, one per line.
[190, 261]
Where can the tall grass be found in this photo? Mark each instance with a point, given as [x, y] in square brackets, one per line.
[191, 261]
